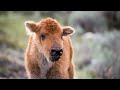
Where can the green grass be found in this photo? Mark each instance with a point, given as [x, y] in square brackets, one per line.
[13, 27]
[83, 74]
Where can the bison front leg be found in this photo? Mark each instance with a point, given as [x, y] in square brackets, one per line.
[55, 73]
[71, 71]
[33, 71]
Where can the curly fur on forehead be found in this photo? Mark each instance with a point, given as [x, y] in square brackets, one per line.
[51, 25]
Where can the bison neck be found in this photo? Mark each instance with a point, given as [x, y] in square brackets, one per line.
[44, 66]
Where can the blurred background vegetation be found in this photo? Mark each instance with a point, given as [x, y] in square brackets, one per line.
[96, 42]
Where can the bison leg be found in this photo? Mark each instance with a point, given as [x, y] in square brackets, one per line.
[71, 71]
[55, 73]
[33, 71]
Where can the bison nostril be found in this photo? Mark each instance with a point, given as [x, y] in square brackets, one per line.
[60, 52]
[53, 52]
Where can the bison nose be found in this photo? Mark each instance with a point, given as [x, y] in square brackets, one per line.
[56, 52]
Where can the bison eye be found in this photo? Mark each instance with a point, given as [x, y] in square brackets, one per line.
[42, 36]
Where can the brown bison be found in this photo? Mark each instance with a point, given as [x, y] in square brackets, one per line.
[49, 51]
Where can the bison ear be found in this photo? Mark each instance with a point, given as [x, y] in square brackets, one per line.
[30, 26]
[67, 30]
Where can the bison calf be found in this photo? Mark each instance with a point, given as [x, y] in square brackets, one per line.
[49, 51]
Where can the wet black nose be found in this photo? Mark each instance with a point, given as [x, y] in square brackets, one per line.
[56, 52]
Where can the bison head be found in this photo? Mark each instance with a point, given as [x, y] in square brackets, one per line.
[49, 36]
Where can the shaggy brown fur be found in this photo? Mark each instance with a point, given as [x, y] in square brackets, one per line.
[37, 62]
